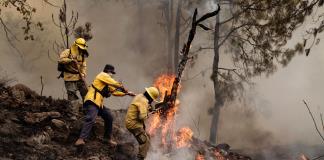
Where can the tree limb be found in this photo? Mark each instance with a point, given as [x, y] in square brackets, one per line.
[311, 114]
[41, 78]
[7, 32]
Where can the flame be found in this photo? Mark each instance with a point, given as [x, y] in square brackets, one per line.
[218, 155]
[184, 137]
[164, 125]
[155, 123]
[199, 156]
[303, 157]
[164, 84]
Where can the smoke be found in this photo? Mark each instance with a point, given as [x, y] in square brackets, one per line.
[138, 58]
[130, 36]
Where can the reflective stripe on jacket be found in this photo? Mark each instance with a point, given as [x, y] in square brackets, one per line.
[66, 57]
[137, 112]
[101, 80]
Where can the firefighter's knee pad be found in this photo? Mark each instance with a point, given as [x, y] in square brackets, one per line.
[141, 138]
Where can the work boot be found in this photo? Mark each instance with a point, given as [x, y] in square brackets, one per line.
[79, 142]
[140, 158]
[109, 141]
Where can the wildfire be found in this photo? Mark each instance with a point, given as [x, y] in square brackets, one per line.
[200, 157]
[164, 125]
[184, 137]
[164, 84]
[303, 157]
[218, 155]
[155, 123]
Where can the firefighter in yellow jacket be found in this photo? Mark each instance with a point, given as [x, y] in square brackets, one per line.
[73, 66]
[137, 113]
[102, 87]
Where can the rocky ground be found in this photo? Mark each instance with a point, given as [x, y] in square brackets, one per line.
[34, 127]
[37, 127]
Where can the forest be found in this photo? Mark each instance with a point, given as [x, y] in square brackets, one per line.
[236, 79]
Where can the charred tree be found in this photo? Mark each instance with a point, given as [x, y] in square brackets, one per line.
[169, 101]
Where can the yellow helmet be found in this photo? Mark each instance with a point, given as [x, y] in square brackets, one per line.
[153, 92]
[81, 43]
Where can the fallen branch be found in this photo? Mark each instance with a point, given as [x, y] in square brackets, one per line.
[41, 78]
[316, 158]
[311, 114]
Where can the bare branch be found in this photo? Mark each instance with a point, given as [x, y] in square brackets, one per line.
[230, 33]
[7, 32]
[49, 57]
[51, 4]
[55, 21]
[193, 53]
[196, 75]
[237, 15]
[316, 158]
[311, 114]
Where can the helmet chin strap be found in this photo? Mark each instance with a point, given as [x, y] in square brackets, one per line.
[148, 97]
[83, 52]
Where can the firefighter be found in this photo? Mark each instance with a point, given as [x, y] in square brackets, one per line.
[72, 65]
[137, 113]
[102, 87]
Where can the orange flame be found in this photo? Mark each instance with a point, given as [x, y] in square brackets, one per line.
[164, 84]
[303, 157]
[184, 137]
[218, 155]
[165, 126]
[200, 157]
[155, 123]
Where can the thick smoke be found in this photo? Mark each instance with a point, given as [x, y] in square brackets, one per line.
[130, 36]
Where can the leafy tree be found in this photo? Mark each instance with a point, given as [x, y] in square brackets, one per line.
[256, 33]
[26, 13]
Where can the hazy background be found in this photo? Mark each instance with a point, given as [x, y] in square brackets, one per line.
[135, 44]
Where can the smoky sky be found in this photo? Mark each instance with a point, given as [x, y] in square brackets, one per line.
[135, 42]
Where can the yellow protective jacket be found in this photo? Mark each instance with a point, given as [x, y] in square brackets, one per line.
[137, 112]
[66, 57]
[101, 80]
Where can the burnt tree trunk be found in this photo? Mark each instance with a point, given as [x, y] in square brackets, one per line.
[169, 100]
[218, 99]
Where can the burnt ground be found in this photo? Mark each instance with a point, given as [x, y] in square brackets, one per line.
[38, 127]
[34, 127]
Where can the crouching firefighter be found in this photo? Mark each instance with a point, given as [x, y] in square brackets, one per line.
[102, 87]
[137, 113]
[72, 65]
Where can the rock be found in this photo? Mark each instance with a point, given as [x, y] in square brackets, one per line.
[33, 118]
[21, 92]
[50, 131]
[38, 139]
[94, 158]
[58, 123]
[18, 94]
